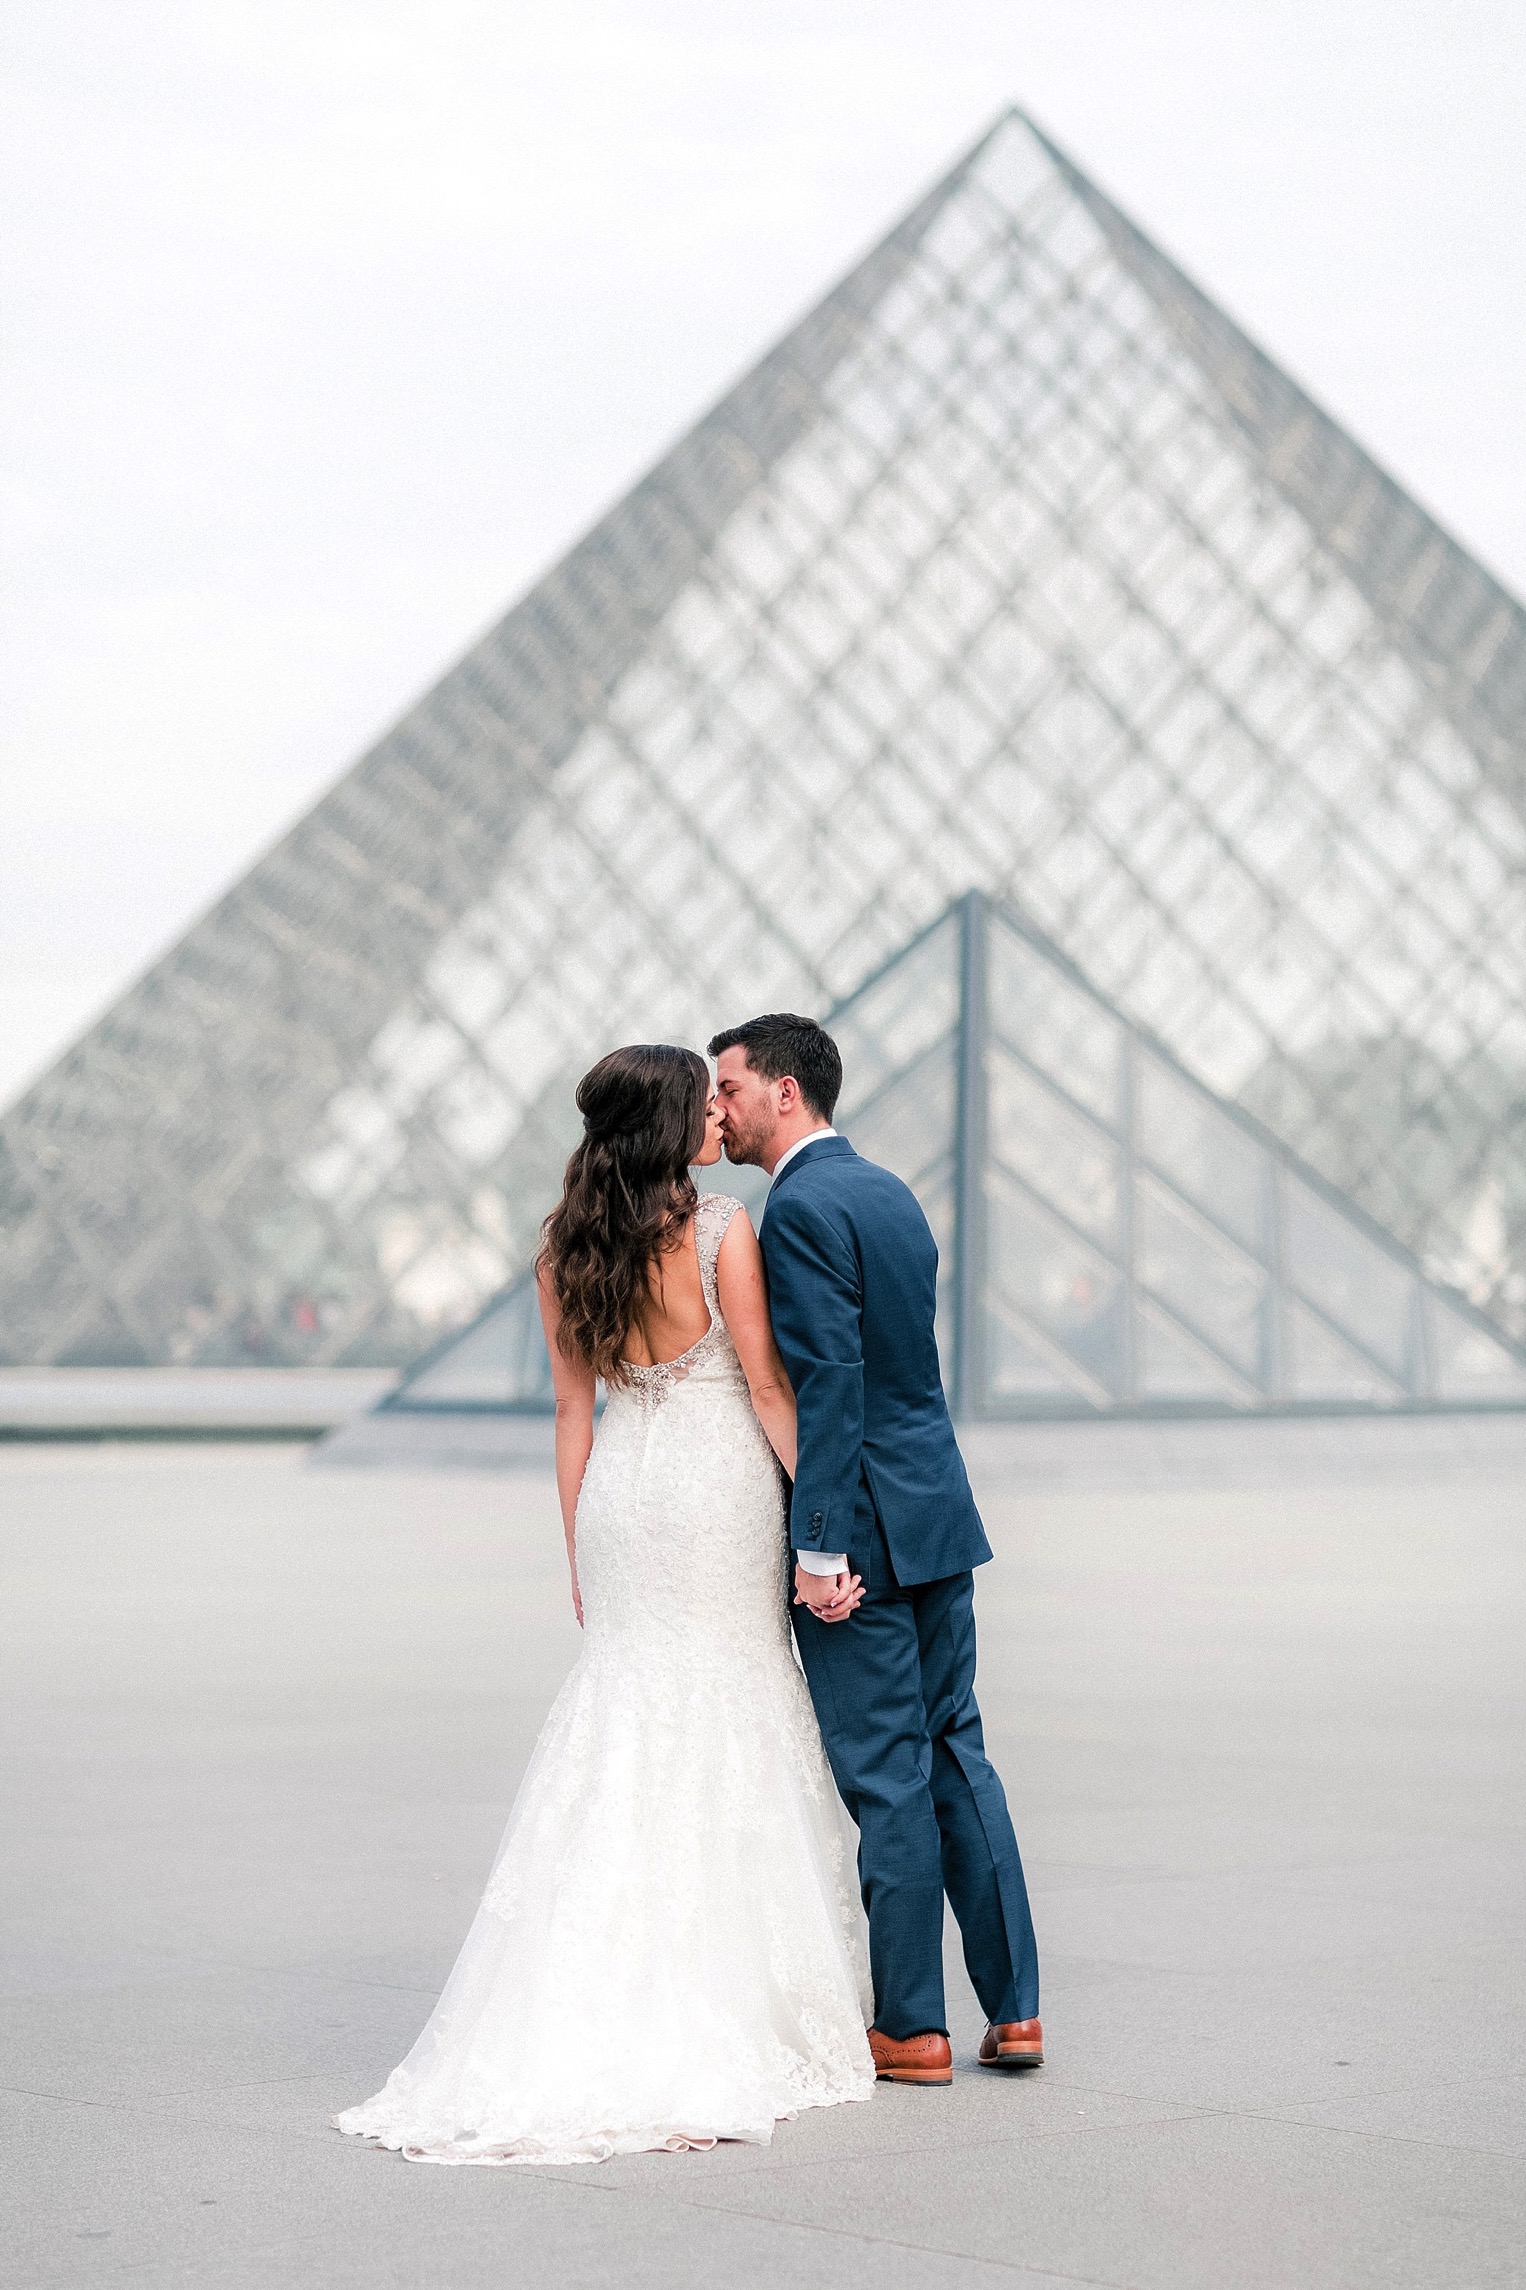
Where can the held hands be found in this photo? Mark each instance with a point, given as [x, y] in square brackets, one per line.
[830, 1597]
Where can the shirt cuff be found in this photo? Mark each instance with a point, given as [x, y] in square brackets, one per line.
[822, 1562]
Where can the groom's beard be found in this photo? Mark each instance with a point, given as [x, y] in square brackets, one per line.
[743, 1147]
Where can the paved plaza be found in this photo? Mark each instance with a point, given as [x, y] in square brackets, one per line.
[1257, 1694]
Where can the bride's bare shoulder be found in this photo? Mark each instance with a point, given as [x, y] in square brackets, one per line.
[738, 1241]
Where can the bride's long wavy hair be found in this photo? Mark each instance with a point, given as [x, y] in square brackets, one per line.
[627, 1195]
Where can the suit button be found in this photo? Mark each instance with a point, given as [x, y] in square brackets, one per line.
[815, 1518]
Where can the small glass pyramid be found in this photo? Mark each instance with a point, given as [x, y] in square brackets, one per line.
[1113, 1238]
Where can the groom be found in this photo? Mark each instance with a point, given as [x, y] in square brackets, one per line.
[885, 1534]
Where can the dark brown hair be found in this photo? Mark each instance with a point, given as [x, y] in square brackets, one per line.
[627, 1194]
[783, 1044]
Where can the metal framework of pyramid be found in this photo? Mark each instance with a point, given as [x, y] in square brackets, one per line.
[1015, 567]
[1113, 1238]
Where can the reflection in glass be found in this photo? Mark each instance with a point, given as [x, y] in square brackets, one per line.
[899, 1015]
[1066, 1288]
[1208, 1282]
[1056, 1025]
[1200, 1149]
[1172, 1367]
[1026, 1376]
[499, 1362]
[909, 1126]
[1059, 1153]
[1352, 1280]
[1468, 1363]
[1322, 1366]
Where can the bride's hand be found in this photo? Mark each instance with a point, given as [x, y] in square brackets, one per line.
[577, 1598]
[830, 1597]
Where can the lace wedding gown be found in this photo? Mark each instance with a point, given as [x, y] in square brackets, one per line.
[669, 1950]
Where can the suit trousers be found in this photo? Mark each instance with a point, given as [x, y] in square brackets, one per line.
[894, 1690]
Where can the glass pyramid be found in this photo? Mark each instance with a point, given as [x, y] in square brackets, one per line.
[1014, 568]
[499, 1365]
[1113, 1236]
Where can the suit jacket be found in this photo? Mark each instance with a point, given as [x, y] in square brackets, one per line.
[852, 1278]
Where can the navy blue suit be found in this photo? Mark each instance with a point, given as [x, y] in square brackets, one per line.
[852, 1271]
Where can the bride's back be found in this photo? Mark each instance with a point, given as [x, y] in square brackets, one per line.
[673, 1315]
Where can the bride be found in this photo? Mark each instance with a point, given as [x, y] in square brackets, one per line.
[669, 1949]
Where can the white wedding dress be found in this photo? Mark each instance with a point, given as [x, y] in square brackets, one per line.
[669, 1951]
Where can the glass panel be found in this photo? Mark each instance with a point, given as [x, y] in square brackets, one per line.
[1349, 1277]
[1204, 1278]
[1171, 1366]
[498, 1362]
[1467, 1363]
[1066, 1288]
[894, 1020]
[910, 1127]
[1062, 1155]
[1056, 1024]
[1321, 1366]
[1205, 1154]
[1019, 1369]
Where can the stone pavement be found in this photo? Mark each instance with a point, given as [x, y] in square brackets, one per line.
[1260, 1712]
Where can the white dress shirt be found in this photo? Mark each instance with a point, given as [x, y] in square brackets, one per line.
[799, 1146]
[814, 1562]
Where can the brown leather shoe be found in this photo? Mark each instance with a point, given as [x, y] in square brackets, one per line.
[911, 2059]
[1013, 2043]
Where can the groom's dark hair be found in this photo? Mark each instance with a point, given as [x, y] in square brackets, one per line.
[784, 1044]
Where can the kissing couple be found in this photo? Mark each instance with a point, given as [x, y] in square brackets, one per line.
[669, 1951]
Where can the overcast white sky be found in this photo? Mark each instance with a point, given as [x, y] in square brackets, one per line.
[329, 324]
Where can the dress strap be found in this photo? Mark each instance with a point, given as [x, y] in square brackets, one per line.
[711, 1220]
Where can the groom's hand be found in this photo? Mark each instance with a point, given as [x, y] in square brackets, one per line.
[830, 1597]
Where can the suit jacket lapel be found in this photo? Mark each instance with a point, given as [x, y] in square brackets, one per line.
[828, 1149]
